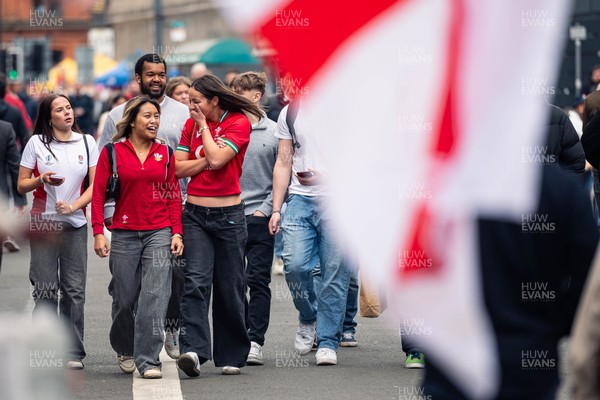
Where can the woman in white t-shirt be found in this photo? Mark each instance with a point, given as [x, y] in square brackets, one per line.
[58, 164]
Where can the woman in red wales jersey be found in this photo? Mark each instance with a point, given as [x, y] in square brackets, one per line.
[214, 221]
[146, 234]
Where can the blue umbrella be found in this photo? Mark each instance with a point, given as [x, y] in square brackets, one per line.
[118, 76]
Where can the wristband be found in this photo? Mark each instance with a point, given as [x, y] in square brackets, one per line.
[276, 212]
[203, 128]
[176, 235]
[71, 208]
[42, 179]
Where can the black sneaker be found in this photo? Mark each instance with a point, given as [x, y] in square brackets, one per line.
[348, 340]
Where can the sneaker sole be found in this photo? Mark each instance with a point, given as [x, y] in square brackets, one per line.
[153, 376]
[414, 366]
[127, 370]
[348, 344]
[11, 248]
[304, 351]
[327, 362]
[75, 367]
[254, 361]
[228, 372]
[188, 366]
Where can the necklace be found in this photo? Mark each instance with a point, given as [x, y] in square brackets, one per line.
[143, 151]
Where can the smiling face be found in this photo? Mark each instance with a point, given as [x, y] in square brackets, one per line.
[61, 114]
[181, 93]
[145, 126]
[209, 108]
[153, 80]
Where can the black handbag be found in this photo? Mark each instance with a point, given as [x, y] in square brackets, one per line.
[112, 186]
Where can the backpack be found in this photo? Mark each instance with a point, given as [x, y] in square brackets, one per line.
[290, 118]
[112, 186]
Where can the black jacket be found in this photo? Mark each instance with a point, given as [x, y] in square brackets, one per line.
[86, 120]
[9, 165]
[563, 143]
[533, 274]
[12, 115]
[591, 140]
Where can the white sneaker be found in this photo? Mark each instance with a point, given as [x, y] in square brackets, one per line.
[326, 356]
[74, 364]
[152, 373]
[231, 371]
[126, 363]
[189, 363]
[11, 245]
[172, 343]
[255, 357]
[305, 337]
[277, 266]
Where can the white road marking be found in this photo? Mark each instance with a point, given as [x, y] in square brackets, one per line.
[167, 388]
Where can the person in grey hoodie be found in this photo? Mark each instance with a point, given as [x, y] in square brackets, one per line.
[257, 185]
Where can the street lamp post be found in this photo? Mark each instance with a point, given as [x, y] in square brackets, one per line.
[577, 33]
[158, 24]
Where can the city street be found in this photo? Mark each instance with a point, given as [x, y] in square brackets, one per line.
[373, 370]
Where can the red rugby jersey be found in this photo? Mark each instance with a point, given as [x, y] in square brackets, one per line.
[150, 197]
[235, 130]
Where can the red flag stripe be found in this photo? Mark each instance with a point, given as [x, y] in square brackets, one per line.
[412, 262]
[310, 31]
[446, 139]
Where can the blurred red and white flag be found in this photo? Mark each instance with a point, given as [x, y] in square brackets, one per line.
[427, 112]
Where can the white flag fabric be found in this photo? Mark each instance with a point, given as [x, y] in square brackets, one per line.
[426, 112]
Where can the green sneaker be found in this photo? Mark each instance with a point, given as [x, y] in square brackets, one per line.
[415, 360]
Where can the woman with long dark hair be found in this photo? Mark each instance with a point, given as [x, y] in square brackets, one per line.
[59, 164]
[214, 220]
[146, 234]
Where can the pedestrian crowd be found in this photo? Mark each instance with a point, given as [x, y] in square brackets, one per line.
[200, 187]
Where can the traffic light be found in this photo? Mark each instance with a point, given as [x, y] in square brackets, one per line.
[13, 63]
[3, 61]
[13, 73]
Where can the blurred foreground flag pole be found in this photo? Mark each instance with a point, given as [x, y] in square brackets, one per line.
[424, 110]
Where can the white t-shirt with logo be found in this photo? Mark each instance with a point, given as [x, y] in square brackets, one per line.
[69, 160]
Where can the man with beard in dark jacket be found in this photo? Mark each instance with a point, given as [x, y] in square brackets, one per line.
[563, 143]
[12, 115]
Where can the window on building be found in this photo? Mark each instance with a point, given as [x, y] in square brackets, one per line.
[54, 6]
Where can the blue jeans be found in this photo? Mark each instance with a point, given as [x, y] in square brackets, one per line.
[140, 263]
[216, 239]
[349, 324]
[59, 262]
[278, 248]
[279, 236]
[306, 235]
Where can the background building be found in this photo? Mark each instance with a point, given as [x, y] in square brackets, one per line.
[42, 33]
